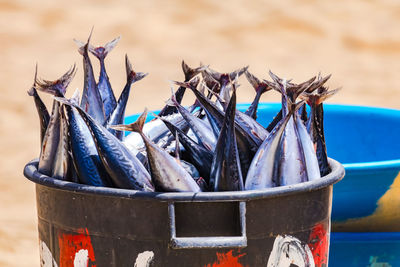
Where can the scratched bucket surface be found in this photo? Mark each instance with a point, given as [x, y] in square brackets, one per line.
[100, 226]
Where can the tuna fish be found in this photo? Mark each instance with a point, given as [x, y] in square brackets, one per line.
[44, 116]
[103, 85]
[226, 173]
[53, 132]
[166, 172]
[125, 170]
[117, 116]
[91, 99]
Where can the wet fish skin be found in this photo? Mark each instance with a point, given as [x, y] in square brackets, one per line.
[50, 142]
[155, 130]
[91, 99]
[44, 116]
[125, 170]
[51, 139]
[86, 160]
[167, 174]
[201, 129]
[117, 116]
[103, 85]
[62, 166]
[292, 168]
[307, 148]
[262, 172]
[247, 143]
[226, 173]
[197, 154]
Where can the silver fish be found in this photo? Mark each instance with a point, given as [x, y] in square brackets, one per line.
[262, 171]
[103, 85]
[125, 170]
[167, 174]
[52, 135]
[117, 115]
[91, 100]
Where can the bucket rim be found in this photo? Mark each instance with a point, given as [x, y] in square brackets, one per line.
[337, 173]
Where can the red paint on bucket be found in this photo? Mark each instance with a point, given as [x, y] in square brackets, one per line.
[70, 244]
[318, 242]
[227, 260]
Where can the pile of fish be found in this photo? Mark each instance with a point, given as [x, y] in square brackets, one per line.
[208, 146]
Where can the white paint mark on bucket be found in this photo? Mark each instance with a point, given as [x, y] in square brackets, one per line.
[144, 259]
[46, 258]
[289, 250]
[81, 258]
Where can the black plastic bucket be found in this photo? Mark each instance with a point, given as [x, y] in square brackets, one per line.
[96, 226]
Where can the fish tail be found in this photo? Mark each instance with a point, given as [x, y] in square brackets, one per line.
[131, 75]
[57, 87]
[137, 126]
[84, 47]
[32, 90]
[191, 72]
[192, 84]
[102, 51]
[260, 86]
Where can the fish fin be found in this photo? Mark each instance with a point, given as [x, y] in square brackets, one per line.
[235, 74]
[275, 77]
[84, 47]
[102, 51]
[211, 82]
[132, 76]
[31, 91]
[318, 83]
[75, 97]
[254, 81]
[137, 126]
[316, 98]
[190, 72]
[192, 84]
[57, 87]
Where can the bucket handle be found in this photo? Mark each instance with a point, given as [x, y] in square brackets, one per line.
[209, 241]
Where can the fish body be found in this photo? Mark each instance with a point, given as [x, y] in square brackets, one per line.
[315, 122]
[125, 170]
[292, 168]
[226, 173]
[263, 169]
[197, 154]
[117, 116]
[50, 142]
[166, 171]
[62, 166]
[51, 139]
[103, 85]
[307, 147]
[91, 99]
[247, 143]
[200, 128]
[42, 111]
[86, 160]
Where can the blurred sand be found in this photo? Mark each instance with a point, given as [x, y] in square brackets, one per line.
[357, 41]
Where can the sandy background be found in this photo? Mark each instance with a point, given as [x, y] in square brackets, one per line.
[358, 42]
